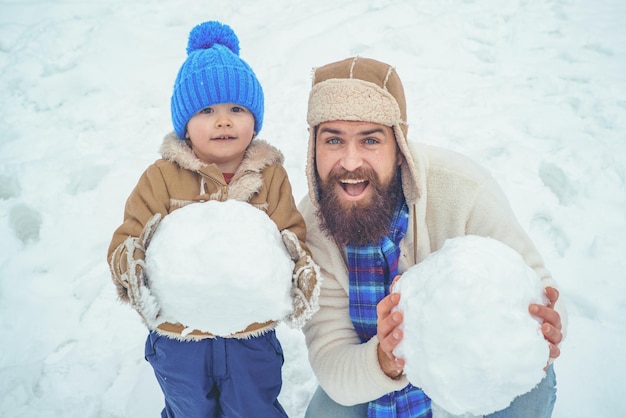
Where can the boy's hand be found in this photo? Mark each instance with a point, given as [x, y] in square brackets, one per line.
[134, 279]
[305, 292]
[306, 281]
[148, 230]
[292, 244]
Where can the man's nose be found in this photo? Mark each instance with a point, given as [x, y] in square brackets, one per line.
[351, 159]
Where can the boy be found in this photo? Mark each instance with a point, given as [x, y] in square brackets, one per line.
[217, 111]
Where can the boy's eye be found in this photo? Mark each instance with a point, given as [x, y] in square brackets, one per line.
[237, 109]
[207, 110]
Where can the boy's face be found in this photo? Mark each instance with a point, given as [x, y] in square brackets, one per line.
[220, 134]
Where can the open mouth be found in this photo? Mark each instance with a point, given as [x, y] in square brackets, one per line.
[354, 187]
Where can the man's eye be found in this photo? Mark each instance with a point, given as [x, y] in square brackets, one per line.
[371, 141]
[333, 141]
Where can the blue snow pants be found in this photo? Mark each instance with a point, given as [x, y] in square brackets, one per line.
[218, 377]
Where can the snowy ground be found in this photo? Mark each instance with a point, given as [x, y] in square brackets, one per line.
[535, 91]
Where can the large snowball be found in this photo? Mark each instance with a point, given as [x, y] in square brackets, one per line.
[219, 267]
[469, 340]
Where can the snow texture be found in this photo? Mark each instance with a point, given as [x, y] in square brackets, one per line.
[535, 91]
[469, 341]
[218, 267]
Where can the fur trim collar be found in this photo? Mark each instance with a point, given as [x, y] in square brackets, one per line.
[259, 155]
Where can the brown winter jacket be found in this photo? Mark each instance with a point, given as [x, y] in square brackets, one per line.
[180, 178]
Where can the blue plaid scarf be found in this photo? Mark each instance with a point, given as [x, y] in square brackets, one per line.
[371, 268]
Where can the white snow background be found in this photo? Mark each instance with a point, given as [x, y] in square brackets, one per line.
[535, 91]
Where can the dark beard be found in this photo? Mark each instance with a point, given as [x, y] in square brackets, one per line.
[359, 224]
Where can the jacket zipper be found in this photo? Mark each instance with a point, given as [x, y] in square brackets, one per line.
[223, 187]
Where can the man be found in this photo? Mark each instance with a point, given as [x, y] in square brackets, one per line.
[378, 205]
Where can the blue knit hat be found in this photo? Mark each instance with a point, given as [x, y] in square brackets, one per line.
[212, 74]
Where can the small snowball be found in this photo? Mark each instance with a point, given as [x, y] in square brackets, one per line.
[219, 267]
[469, 341]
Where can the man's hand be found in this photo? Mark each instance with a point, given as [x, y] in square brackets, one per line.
[551, 326]
[389, 335]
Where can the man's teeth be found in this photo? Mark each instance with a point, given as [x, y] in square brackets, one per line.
[352, 181]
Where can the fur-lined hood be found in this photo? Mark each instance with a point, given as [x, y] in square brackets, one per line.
[259, 154]
[246, 181]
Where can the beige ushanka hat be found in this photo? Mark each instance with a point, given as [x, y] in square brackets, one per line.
[359, 89]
